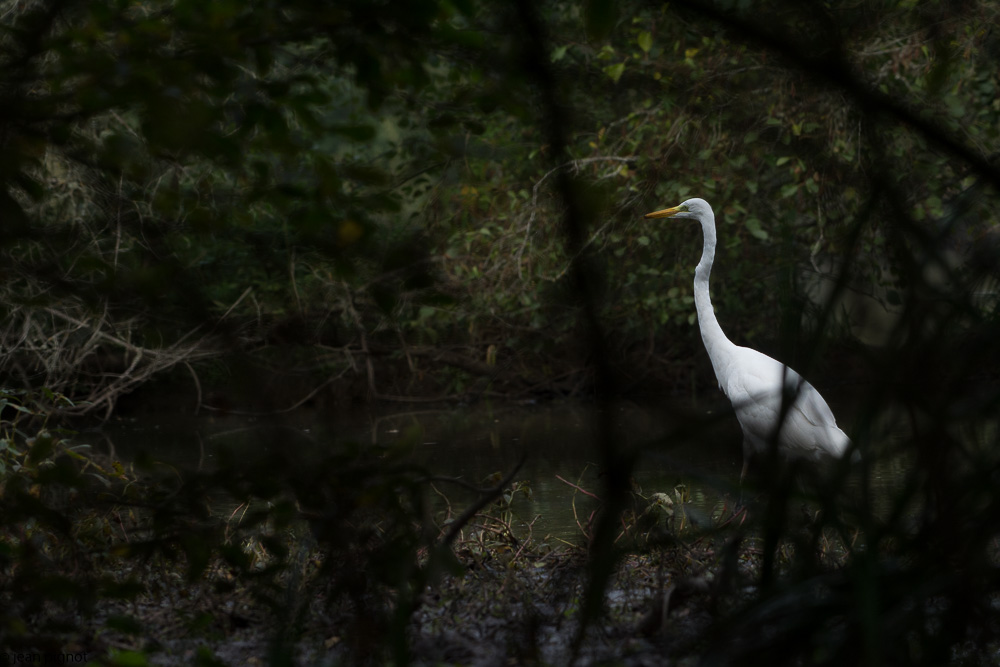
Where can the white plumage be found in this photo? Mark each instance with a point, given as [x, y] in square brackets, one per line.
[757, 385]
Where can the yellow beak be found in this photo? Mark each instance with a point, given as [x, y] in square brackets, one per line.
[665, 213]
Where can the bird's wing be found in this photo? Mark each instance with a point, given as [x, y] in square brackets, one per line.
[813, 407]
[753, 382]
[757, 375]
[751, 375]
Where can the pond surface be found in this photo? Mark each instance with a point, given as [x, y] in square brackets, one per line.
[560, 441]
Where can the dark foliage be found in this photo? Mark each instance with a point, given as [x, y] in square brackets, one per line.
[444, 202]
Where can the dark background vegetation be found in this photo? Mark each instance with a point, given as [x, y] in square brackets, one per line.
[263, 204]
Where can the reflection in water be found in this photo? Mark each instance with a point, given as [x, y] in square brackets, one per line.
[474, 443]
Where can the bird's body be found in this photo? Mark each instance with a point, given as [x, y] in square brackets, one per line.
[772, 402]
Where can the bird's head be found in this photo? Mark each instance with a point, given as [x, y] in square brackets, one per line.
[692, 208]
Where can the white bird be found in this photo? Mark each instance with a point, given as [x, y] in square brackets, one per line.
[753, 381]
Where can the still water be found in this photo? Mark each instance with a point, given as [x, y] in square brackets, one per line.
[560, 442]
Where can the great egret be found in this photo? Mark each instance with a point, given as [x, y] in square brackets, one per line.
[756, 384]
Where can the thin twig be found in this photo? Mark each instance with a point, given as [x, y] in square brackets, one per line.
[483, 501]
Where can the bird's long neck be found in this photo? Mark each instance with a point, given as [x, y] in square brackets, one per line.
[715, 340]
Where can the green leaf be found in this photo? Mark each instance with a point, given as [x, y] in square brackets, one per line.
[955, 107]
[753, 225]
[645, 41]
[615, 71]
[559, 53]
